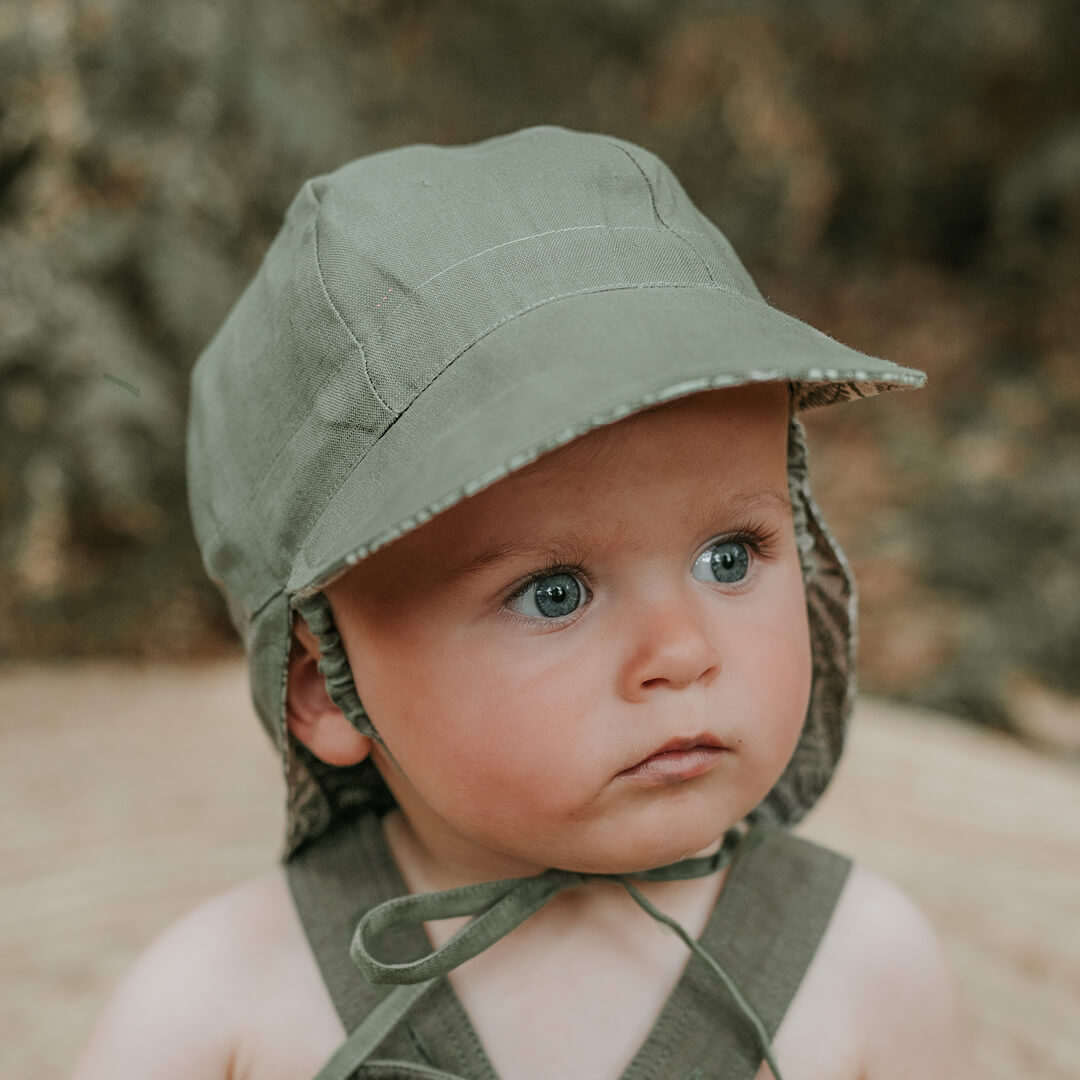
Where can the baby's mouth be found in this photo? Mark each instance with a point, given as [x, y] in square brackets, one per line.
[678, 759]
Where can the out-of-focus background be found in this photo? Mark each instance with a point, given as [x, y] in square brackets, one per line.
[904, 176]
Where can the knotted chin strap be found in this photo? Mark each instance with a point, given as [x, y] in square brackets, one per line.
[497, 907]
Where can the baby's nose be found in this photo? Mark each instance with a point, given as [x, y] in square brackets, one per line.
[670, 647]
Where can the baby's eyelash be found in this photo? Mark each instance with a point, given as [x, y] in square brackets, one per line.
[763, 540]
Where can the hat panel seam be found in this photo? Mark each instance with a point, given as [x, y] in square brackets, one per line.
[257, 610]
[220, 526]
[530, 236]
[341, 318]
[415, 291]
[659, 216]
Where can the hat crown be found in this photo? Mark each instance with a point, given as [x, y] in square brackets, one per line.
[423, 250]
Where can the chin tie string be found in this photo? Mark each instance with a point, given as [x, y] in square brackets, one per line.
[497, 907]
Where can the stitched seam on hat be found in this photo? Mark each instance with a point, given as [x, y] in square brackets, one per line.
[510, 243]
[690, 232]
[578, 292]
[341, 318]
[532, 236]
[656, 211]
[260, 604]
[220, 526]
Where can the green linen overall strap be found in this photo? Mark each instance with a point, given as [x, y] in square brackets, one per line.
[768, 921]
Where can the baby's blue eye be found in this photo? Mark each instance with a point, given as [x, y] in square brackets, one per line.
[549, 597]
[726, 562]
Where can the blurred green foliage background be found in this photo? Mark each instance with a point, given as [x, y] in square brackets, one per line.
[905, 176]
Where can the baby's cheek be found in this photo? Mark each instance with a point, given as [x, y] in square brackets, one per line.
[503, 799]
[787, 667]
[533, 770]
[522, 766]
[777, 669]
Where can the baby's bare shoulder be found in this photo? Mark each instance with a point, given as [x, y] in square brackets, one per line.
[885, 957]
[193, 1003]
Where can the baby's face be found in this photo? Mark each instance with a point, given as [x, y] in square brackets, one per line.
[526, 654]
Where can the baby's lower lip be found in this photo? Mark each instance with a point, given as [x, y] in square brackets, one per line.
[675, 765]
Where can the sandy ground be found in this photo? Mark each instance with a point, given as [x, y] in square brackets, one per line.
[118, 818]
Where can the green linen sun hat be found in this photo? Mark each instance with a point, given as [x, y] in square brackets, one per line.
[431, 318]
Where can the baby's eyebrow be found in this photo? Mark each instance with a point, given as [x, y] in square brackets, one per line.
[742, 502]
[705, 516]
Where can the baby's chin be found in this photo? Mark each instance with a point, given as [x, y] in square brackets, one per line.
[637, 861]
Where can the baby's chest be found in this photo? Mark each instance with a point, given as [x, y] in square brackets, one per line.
[593, 1029]
[583, 1026]
[587, 1030]
[583, 1019]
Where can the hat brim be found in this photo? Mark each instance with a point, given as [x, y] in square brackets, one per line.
[553, 373]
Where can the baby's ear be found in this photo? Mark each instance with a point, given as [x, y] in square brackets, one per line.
[312, 717]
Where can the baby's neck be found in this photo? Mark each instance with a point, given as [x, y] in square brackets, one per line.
[442, 862]
[598, 901]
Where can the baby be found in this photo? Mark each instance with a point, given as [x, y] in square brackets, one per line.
[497, 464]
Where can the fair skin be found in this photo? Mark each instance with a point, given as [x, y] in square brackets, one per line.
[522, 655]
